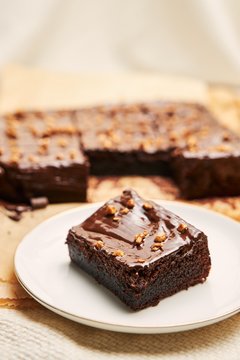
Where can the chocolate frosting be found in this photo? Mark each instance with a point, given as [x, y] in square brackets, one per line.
[121, 234]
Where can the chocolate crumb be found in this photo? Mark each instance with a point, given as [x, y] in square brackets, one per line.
[15, 216]
[39, 202]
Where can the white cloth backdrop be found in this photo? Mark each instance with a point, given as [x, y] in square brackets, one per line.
[199, 38]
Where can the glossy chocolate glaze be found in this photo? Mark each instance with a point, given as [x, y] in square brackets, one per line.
[157, 128]
[120, 235]
[40, 155]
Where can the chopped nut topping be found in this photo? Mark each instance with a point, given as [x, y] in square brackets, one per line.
[34, 131]
[69, 130]
[43, 146]
[222, 148]
[99, 244]
[156, 247]
[11, 132]
[107, 143]
[147, 206]
[59, 156]
[15, 158]
[62, 142]
[118, 253]
[116, 218]
[73, 154]
[33, 158]
[140, 260]
[42, 150]
[44, 143]
[226, 137]
[130, 203]
[140, 237]
[160, 237]
[115, 138]
[192, 141]
[146, 144]
[173, 136]
[110, 210]
[182, 227]
[124, 211]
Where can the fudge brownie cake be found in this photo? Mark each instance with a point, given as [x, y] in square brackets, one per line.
[178, 139]
[40, 155]
[47, 153]
[139, 250]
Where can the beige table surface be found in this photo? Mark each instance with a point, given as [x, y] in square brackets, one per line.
[27, 330]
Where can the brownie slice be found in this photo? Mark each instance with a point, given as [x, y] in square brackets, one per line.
[40, 156]
[139, 250]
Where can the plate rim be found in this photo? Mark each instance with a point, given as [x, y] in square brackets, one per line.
[111, 326]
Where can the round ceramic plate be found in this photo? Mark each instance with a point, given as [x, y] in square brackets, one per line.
[44, 269]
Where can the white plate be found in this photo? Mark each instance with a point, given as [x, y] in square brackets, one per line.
[43, 267]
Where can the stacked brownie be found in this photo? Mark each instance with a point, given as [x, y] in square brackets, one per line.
[47, 153]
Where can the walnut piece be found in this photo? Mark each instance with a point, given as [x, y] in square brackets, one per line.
[33, 159]
[98, 244]
[73, 154]
[62, 142]
[110, 210]
[140, 260]
[118, 253]
[156, 246]
[140, 237]
[59, 156]
[130, 203]
[124, 211]
[147, 206]
[182, 228]
[160, 237]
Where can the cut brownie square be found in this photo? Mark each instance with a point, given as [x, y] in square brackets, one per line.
[40, 156]
[139, 250]
[123, 139]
